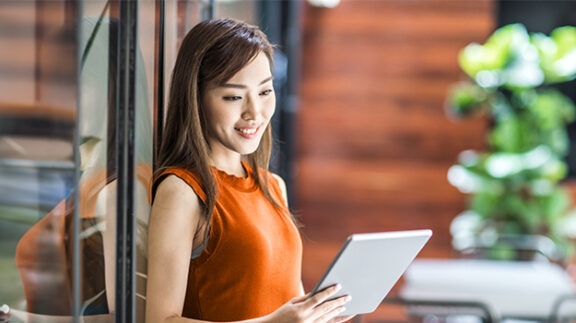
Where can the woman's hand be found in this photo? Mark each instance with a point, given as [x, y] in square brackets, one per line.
[341, 319]
[320, 307]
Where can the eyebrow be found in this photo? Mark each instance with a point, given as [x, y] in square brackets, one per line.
[242, 86]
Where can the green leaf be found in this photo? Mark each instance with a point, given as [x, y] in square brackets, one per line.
[466, 99]
[565, 39]
[554, 171]
[508, 135]
[496, 53]
[485, 204]
[557, 54]
[552, 109]
[475, 58]
[555, 205]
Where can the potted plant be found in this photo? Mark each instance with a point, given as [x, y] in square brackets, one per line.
[515, 184]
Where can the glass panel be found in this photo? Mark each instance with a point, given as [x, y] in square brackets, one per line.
[146, 87]
[37, 124]
[38, 92]
[97, 185]
[98, 146]
[99, 135]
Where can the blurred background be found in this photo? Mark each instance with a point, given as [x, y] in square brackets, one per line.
[367, 125]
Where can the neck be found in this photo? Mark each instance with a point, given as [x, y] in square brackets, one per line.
[232, 168]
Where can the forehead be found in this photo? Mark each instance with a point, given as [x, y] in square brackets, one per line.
[256, 70]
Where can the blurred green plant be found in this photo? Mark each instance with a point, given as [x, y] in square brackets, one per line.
[515, 184]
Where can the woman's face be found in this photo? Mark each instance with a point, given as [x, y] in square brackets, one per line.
[239, 111]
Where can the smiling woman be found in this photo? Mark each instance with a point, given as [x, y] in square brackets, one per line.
[213, 190]
[89, 161]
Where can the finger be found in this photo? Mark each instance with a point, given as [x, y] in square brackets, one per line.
[340, 319]
[330, 309]
[330, 315]
[323, 295]
[334, 303]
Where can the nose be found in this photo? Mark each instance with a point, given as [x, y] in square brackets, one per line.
[250, 110]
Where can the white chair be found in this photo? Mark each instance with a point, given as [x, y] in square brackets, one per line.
[510, 289]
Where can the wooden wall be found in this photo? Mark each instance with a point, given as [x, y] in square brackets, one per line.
[374, 141]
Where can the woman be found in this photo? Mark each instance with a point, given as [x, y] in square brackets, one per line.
[222, 245]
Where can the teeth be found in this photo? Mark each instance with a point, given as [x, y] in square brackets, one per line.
[247, 131]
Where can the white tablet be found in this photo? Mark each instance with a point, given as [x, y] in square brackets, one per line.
[369, 264]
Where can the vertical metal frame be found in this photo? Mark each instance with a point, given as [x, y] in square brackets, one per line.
[159, 74]
[76, 12]
[125, 148]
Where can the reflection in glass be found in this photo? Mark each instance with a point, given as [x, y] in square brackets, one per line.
[146, 81]
[43, 183]
[97, 163]
[37, 123]
[98, 149]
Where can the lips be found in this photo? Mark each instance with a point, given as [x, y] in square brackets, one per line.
[247, 132]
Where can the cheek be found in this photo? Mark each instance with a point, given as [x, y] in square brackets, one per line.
[270, 108]
[215, 114]
[219, 118]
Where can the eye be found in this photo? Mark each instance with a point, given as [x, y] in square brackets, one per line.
[232, 98]
[266, 92]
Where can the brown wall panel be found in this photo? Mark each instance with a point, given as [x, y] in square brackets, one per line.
[374, 142]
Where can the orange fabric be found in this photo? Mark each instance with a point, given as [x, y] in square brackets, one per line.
[42, 260]
[252, 262]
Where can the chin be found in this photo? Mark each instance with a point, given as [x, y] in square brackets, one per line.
[248, 149]
[246, 152]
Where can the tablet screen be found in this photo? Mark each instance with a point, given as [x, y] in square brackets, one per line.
[369, 264]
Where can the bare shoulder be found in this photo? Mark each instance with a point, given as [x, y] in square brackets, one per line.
[173, 184]
[175, 196]
[176, 211]
[174, 188]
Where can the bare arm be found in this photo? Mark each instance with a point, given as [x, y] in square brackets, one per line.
[174, 218]
[109, 244]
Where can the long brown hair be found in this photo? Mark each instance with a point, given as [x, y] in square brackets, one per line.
[212, 52]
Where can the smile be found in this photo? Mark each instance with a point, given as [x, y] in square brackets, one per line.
[247, 132]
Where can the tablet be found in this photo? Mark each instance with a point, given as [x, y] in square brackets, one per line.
[369, 264]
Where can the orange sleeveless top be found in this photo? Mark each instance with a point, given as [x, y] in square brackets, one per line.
[251, 264]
